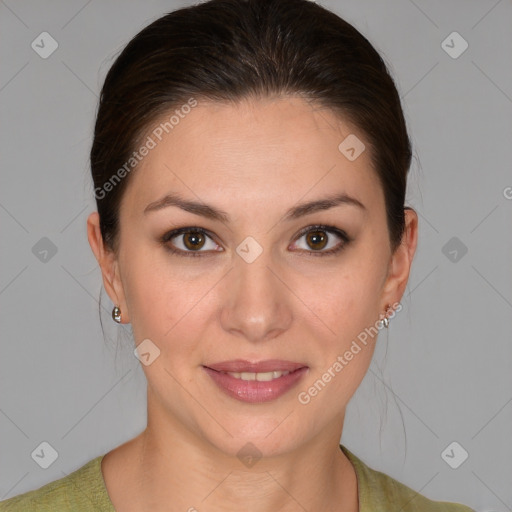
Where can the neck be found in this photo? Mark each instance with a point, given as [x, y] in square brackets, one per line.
[193, 476]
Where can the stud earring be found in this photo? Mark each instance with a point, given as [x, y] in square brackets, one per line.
[116, 314]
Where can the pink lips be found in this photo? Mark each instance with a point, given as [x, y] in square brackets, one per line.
[254, 391]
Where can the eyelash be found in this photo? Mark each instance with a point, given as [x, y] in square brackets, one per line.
[318, 227]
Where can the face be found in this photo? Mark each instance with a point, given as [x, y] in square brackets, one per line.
[262, 279]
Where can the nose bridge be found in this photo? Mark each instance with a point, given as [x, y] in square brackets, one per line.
[252, 266]
[256, 305]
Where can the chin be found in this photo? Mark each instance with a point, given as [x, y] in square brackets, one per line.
[252, 439]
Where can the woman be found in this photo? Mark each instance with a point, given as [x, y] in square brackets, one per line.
[249, 163]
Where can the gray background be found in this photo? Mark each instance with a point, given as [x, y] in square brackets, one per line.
[444, 366]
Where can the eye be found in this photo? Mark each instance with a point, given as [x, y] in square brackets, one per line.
[192, 240]
[318, 237]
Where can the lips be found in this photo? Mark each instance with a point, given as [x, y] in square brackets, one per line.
[254, 382]
[269, 365]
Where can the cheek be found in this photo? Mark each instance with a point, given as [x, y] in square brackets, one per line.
[150, 291]
[346, 302]
[347, 298]
[165, 302]
[348, 311]
[158, 304]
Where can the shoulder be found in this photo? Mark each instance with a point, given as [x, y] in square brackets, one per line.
[378, 491]
[81, 491]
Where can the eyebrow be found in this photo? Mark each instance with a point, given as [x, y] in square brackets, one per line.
[212, 213]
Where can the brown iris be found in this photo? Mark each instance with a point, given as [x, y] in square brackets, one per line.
[316, 239]
[195, 238]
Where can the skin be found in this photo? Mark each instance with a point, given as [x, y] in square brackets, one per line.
[254, 160]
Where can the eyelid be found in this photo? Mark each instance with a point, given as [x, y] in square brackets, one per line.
[340, 233]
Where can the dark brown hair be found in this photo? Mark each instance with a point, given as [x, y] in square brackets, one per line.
[228, 50]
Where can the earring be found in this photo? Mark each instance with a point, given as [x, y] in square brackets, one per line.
[116, 314]
[385, 320]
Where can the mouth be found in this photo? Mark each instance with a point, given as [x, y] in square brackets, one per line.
[256, 382]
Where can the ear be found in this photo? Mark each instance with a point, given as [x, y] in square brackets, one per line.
[401, 261]
[108, 263]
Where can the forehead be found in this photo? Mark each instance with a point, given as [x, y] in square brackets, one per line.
[272, 149]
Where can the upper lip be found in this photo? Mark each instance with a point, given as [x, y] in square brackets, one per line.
[269, 365]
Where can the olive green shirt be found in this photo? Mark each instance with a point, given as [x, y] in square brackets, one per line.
[84, 490]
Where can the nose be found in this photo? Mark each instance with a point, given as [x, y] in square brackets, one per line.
[257, 304]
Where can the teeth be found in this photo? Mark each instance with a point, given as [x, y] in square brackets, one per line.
[262, 377]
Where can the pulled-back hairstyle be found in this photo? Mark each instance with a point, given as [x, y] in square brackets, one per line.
[229, 50]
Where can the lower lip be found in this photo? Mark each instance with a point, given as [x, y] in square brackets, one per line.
[254, 391]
